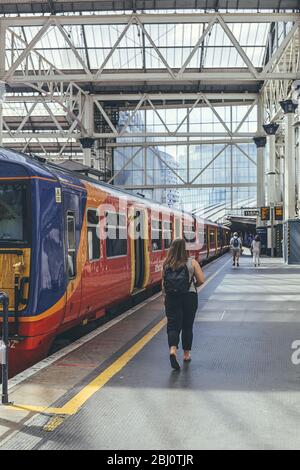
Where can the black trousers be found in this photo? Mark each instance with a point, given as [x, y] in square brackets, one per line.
[180, 312]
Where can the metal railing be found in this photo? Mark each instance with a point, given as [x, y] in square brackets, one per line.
[4, 348]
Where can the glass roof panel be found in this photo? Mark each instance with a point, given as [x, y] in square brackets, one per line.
[175, 43]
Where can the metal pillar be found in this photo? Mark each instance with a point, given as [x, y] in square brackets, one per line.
[87, 144]
[281, 170]
[272, 171]
[271, 130]
[87, 156]
[298, 165]
[2, 74]
[88, 115]
[289, 108]
[278, 186]
[260, 142]
[2, 97]
[87, 141]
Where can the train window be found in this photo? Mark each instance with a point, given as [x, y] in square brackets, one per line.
[156, 235]
[111, 219]
[201, 235]
[92, 236]
[212, 236]
[168, 230]
[189, 233]
[177, 227]
[71, 244]
[92, 217]
[116, 239]
[122, 220]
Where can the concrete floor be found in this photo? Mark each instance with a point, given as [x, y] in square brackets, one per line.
[241, 390]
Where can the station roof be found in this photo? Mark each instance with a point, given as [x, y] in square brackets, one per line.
[60, 6]
[135, 54]
[83, 41]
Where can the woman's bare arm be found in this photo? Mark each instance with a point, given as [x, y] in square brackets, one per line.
[199, 275]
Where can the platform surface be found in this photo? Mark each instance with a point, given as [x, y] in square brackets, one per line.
[241, 390]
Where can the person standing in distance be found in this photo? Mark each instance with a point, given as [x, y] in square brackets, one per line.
[256, 251]
[235, 246]
[181, 277]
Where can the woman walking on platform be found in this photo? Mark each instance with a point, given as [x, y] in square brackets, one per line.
[256, 251]
[181, 276]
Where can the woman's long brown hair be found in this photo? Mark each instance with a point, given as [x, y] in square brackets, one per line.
[177, 255]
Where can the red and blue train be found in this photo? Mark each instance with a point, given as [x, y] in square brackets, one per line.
[56, 269]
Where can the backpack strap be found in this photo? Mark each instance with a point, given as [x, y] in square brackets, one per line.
[191, 273]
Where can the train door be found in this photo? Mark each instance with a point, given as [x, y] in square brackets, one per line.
[116, 257]
[216, 240]
[94, 289]
[202, 238]
[207, 240]
[219, 240]
[72, 254]
[212, 239]
[139, 249]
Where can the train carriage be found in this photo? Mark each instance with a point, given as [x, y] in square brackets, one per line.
[58, 269]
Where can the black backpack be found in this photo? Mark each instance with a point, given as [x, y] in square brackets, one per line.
[236, 243]
[177, 281]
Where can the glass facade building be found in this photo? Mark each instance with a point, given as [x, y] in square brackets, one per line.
[220, 173]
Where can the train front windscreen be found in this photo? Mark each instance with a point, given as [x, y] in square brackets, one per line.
[15, 233]
[13, 214]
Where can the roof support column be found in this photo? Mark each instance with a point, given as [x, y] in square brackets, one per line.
[298, 165]
[281, 170]
[87, 144]
[2, 73]
[87, 140]
[260, 142]
[271, 130]
[289, 108]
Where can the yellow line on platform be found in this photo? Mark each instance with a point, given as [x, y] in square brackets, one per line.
[73, 405]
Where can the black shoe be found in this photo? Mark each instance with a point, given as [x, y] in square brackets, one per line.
[237, 264]
[187, 360]
[233, 264]
[174, 362]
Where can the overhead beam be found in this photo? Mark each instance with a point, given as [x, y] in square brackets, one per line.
[223, 75]
[173, 134]
[58, 134]
[175, 96]
[163, 143]
[222, 97]
[160, 18]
